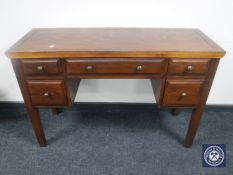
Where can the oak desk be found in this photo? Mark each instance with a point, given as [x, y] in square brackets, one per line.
[49, 64]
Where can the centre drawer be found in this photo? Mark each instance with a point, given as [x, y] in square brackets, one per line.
[182, 92]
[47, 92]
[115, 66]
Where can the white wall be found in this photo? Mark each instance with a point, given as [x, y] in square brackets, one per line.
[214, 17]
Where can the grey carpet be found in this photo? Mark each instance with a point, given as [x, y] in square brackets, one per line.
[111, 143]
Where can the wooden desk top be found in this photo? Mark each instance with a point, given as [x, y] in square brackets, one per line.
[115, 42]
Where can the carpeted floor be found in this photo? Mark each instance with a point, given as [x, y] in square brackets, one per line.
[111, 143]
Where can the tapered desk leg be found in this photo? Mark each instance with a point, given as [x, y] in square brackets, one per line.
[198, 110]
[193, 126]
[34, 117]
[33, 112]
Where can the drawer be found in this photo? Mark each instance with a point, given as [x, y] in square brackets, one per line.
[115, 66]
[188, 66]
[182, 92]
[47, 92]
[41, 67]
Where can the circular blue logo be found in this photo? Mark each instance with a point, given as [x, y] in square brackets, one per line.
[214, 156]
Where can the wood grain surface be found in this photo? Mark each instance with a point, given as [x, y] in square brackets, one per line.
[115, 42]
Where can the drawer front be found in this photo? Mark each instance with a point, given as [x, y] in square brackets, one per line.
[41, 67]
[47, 92]
[182, 92]
[115, 66]
[188, 66]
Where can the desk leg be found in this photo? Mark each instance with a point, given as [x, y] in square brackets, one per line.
[197, 112]
[34, 117]
[175, 111]
[33, 112]
[56, 111]
[193, 126]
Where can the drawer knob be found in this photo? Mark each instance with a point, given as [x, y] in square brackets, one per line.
[46, 94]
[89, 67]
[183, 94]
[40, 68]
[189, 68]
[139, 68]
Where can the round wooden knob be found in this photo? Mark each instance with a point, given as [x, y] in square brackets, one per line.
[89, 67]
[189, 68]
[40, 68]
[46, 94]
[139, 68]
[183, 94]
